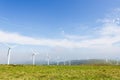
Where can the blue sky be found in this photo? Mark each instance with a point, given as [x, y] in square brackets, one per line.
[88, 28]
[44, 17]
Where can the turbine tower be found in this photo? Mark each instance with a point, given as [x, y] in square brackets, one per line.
[8, 55]
[33, 56]
[69, 62]
[117, 62]
[106, 60]
[64, 62]
[9, 52]
[58, 60]
[48, 59]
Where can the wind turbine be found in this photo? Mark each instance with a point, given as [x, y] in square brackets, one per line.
[48, 59]
[33, 56]
[64, 61]
[117, 62]
[9, 52]
[58, 60]
[106, 60]
[69, 62]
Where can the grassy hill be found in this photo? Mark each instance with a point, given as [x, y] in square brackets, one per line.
[79, 72]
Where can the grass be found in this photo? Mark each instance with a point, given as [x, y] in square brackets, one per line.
[81, 72]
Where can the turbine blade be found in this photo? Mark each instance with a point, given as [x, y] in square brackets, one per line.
[35, 52]
[13, 46]
[7, 45]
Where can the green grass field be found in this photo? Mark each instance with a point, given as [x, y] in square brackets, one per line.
[83, 72]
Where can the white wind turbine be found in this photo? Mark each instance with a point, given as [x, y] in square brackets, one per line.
[33, 56]
[58, 60]
[117, 62]
[64, 62]
[106, 60]
[9, 52]
[69, 62]
[48, 59]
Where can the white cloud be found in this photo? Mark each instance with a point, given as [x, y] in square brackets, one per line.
[108, 35]
[110, 30]
[19, 39]
[75, 37]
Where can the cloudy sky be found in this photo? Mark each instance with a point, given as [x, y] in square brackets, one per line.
[70, 29]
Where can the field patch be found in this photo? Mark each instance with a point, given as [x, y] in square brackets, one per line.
[80, 72]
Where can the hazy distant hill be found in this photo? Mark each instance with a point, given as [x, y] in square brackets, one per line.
[76, 62]
[92, 61]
